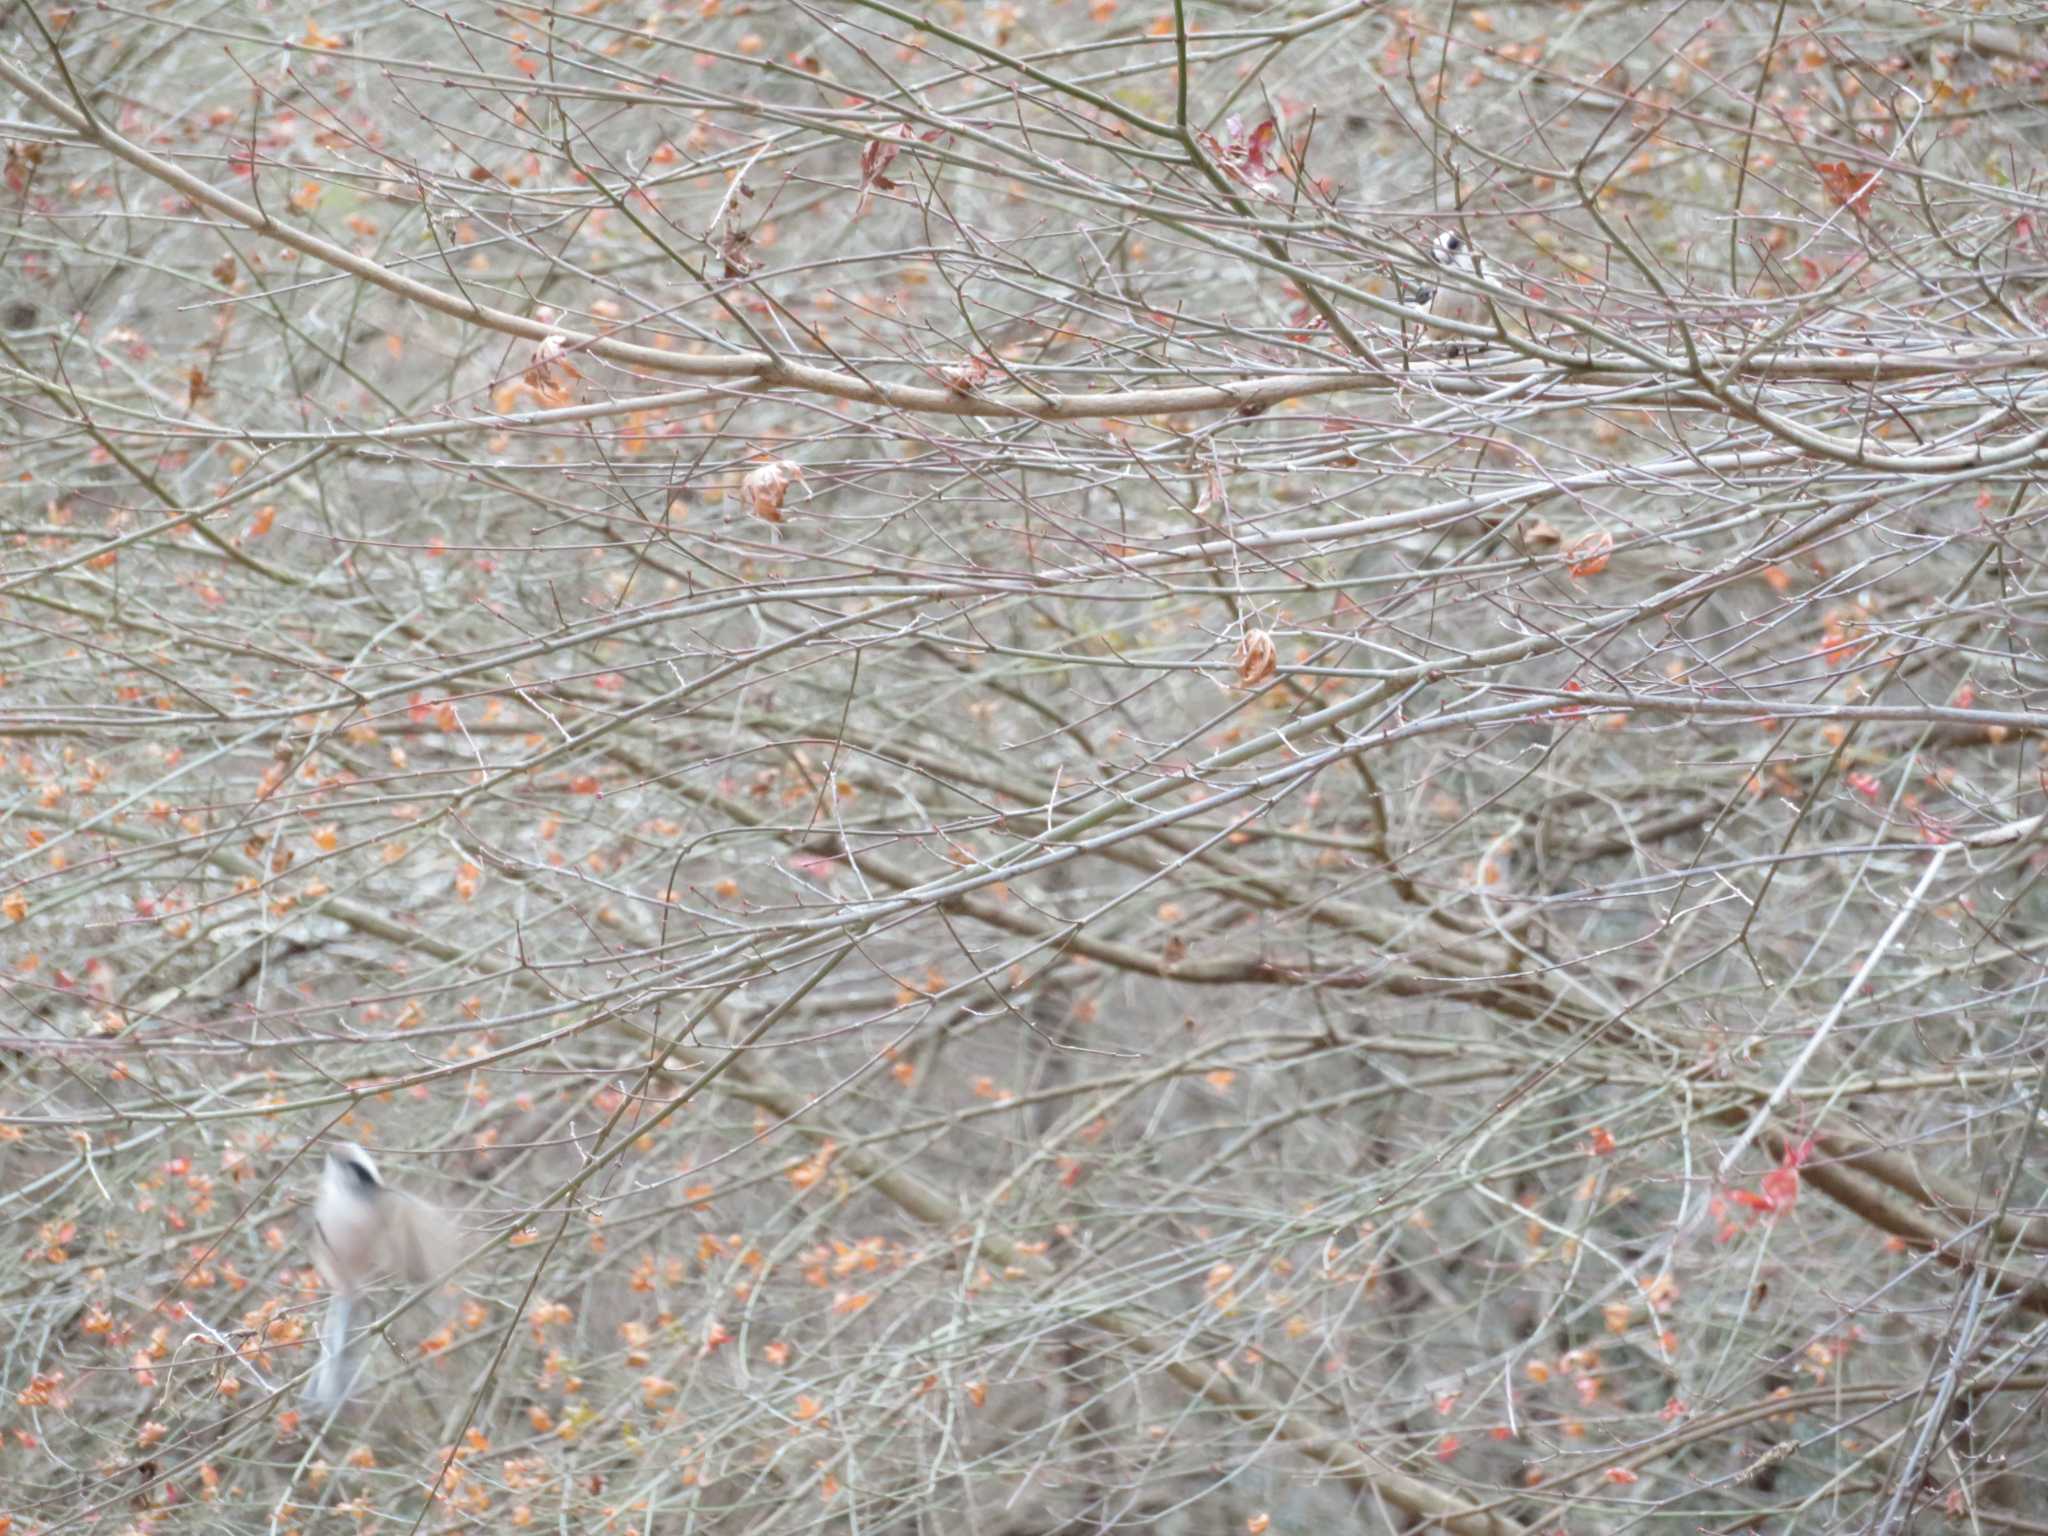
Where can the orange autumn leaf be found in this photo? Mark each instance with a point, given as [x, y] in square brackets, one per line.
[811, 1169]
[1587, 555]
[764, 488]
[1257, 658]
[1778, 1190]
[549, 372]
[1848, 187]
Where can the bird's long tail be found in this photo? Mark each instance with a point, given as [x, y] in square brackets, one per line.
[332, 1379]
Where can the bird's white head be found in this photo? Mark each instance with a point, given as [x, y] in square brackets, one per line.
[1453, 250]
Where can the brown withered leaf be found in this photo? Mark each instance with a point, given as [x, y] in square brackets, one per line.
[766, 485]
[549, 373]
[879, 153]
[732, 250]
[1257, 658]
[875, 160]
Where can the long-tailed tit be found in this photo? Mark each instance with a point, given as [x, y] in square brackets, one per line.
[364, 1232]
[1453, 252]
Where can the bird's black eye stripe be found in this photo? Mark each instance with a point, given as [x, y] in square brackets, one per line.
[364, 1176]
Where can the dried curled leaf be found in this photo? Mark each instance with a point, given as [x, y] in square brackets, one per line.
[1257, 658]
[548, 374]
[732, 252]
[1251, 158]
[875, 160]
[766, 485]
[1588, 554]
[968, 376]
[879, 152]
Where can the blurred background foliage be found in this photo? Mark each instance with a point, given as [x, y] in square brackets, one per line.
[1018, 850]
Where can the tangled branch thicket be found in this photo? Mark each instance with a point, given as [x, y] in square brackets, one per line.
[1032, 830]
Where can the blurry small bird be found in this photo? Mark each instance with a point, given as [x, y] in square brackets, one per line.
[364, 1232]
[1453, 252]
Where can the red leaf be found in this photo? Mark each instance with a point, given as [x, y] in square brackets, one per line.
[1259, 149]
[1588, 554]
[1778, 1190]
[1252, 159]
[1849, 188]
[875, 160]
